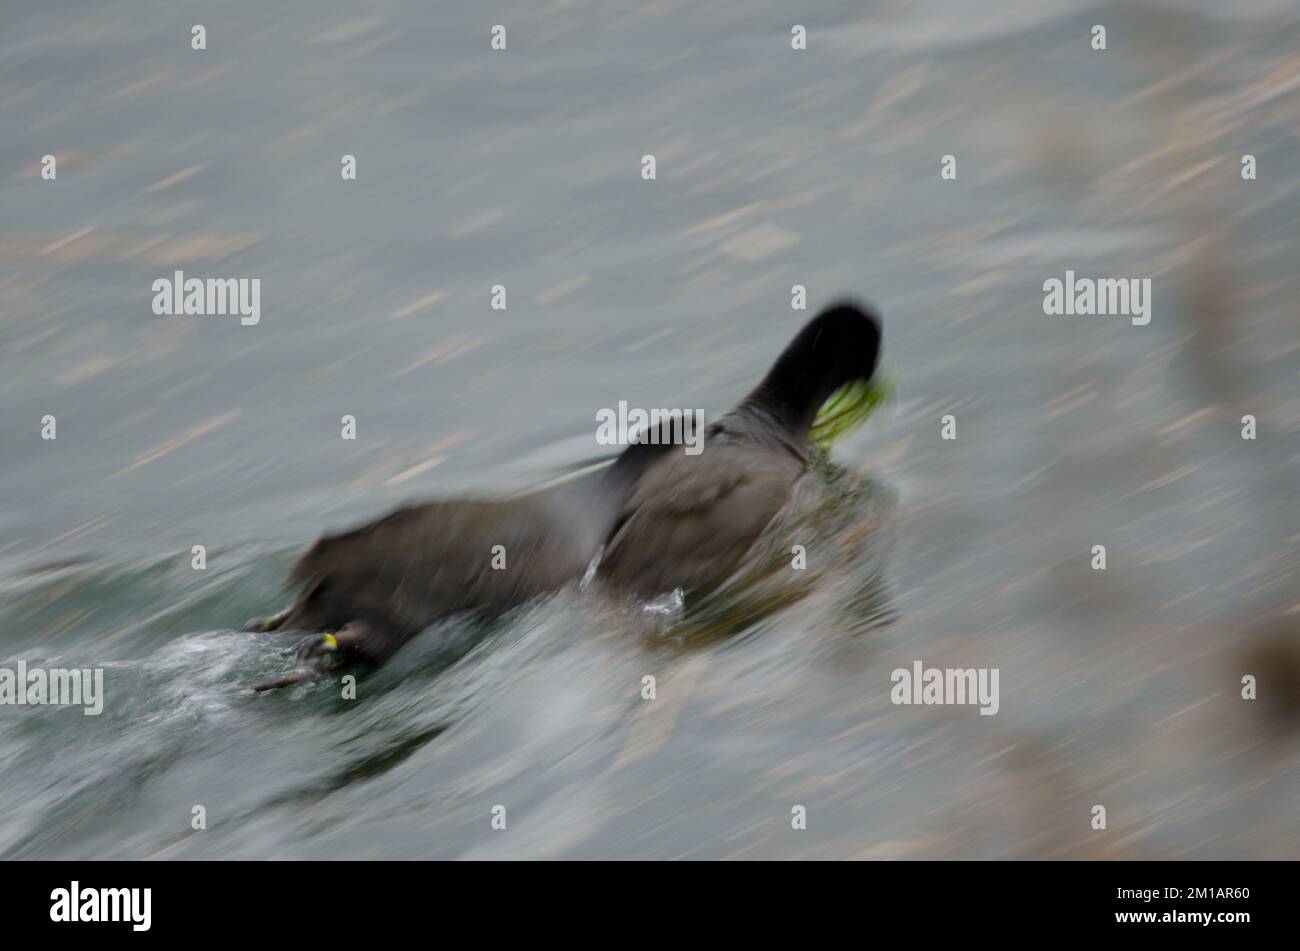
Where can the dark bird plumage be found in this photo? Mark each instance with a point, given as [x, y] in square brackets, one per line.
[666, 519]
[689, 520]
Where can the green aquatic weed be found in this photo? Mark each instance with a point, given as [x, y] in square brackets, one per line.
[849, 407]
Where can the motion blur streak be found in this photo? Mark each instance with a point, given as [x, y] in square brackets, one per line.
[775, 167]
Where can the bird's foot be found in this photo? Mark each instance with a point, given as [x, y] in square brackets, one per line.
[260, 625]
[317, 655]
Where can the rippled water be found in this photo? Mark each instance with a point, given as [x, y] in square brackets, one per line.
[1119, 688]
[513, 711]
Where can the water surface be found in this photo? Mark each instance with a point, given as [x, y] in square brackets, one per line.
[774, 168]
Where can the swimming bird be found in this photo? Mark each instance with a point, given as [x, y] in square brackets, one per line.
[657, 520]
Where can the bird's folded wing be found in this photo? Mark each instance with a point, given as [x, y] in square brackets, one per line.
[689, 522]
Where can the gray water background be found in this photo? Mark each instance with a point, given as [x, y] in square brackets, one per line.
[775, 167]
